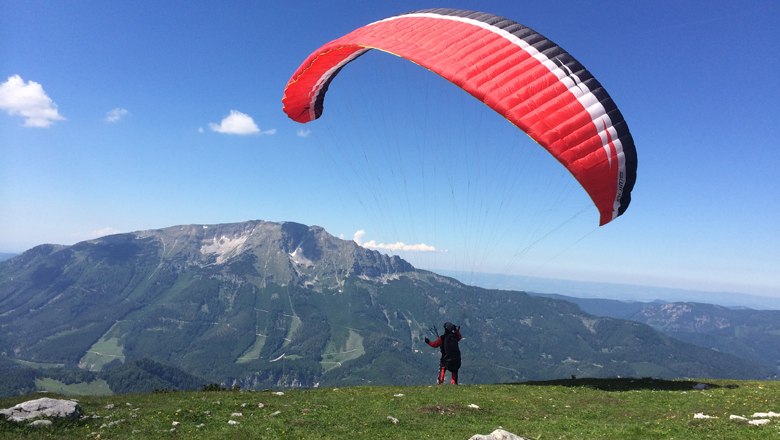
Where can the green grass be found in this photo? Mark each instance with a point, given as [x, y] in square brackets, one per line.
[95, 388]
[102, 352]
[353, 348]
[571, 409]
[253, 352]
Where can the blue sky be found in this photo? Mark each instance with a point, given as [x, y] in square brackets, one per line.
[124, 116]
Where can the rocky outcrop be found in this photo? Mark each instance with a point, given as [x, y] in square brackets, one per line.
[42, 408]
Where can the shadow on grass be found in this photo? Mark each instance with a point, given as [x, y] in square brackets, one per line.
[628, 384]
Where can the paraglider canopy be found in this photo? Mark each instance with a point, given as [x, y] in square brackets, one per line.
[528, 79]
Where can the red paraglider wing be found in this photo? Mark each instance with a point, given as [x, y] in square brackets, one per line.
[520, 74]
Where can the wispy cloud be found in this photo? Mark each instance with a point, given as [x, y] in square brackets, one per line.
[393, 247]
[116, 115]
[304, 133]
[240, 124]
[28, 100]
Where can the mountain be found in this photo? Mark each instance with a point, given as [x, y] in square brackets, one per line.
[746, 333]
[6, 255]
[265, 304]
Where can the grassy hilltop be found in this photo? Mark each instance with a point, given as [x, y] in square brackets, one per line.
[570, 409]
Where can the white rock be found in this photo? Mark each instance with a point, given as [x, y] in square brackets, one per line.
[738, 418]
[765, 415]
[40, 423]
[498, 434]
[393, 420]
[43, 407]
[759, 422]
[237, 414]
[703, 416]
[232, 422]
[472, 406]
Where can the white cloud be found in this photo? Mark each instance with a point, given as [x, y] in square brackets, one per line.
[358, 238]
[393, 247]
[116, 115]
[240, 124]
[29, 101]
[304, 133]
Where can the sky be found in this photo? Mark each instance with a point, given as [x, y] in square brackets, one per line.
[125, 116]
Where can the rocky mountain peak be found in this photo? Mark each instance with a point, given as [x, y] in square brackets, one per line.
[286, 252]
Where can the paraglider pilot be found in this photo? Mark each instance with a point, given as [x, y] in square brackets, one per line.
[450, 352]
